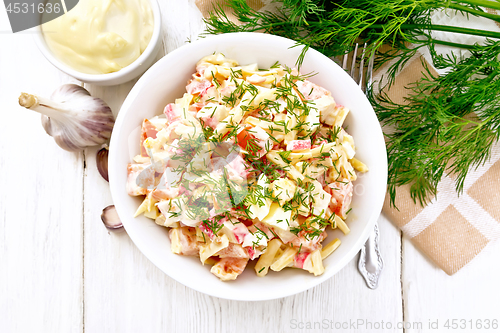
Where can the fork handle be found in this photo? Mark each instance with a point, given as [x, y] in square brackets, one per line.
[370, 260]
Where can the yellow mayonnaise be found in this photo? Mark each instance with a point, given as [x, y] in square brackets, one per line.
[101, 36]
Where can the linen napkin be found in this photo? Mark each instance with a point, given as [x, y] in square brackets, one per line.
[451, 230]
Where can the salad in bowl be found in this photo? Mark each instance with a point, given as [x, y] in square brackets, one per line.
[242, 177]
[249, 164]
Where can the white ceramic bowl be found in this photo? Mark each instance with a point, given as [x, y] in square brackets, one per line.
[165, 81]
[139, 66]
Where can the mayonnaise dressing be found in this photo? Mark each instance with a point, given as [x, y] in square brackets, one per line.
[101, 36]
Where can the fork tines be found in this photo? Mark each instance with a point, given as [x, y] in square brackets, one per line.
[357, 65]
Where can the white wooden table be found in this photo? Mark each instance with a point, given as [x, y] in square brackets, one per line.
[62, 271]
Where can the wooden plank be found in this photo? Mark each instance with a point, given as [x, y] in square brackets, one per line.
[40, 202]
[431, 295]
[181, 23]
[124, 292]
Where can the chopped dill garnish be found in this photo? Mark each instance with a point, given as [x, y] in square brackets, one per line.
[431, 134]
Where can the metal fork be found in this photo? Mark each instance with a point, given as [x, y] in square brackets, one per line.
[370, 262]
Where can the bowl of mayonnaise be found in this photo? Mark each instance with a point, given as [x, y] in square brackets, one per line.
[103, 42]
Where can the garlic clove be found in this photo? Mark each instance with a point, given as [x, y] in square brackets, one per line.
[47, 125]
[111, 219]
[73, 117]
[102, 162]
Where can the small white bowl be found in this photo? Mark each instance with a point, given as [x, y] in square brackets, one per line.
[166, 81]
[139, 66]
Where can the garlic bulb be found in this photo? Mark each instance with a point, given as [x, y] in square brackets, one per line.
[72, 117]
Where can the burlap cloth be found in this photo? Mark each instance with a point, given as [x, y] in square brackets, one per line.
[451, 230]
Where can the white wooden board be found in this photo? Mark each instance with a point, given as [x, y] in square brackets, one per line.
[62, 271]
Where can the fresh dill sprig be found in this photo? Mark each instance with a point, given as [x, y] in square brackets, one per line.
[447, 125]
[333, 27]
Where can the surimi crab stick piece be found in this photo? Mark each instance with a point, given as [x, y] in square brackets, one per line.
[149, 130]
[311, 91]
[341, 197]
[183, 241]
[307, 244]
[299, 144]
[198, 86]
[233, 251]
[314, 263]
[173, 112]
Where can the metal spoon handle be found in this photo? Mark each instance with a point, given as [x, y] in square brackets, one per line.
[370, 260]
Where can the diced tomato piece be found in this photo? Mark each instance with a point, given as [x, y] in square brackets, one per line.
[254, 140]
[196, 107]
[247, 222]
[242, 138]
